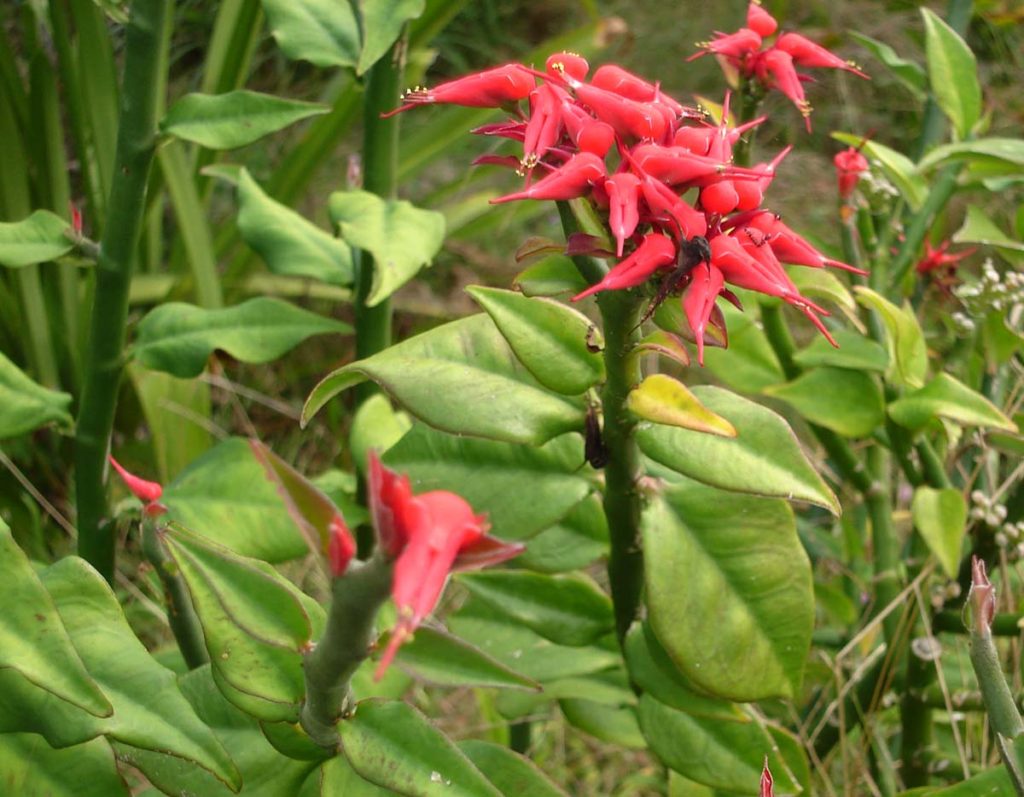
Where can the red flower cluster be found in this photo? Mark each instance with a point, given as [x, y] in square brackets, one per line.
[743, 53]
[431, 534]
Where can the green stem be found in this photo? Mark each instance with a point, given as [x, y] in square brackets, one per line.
[180, 615]
[380, 166]
[931, 465]
[1003, 715]
[917, 745]
[883, 538]
[105, 358]
[349, 632]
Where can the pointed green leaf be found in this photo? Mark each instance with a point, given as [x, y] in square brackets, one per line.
[613, 724]
[575, 542]
[322, 32]
[460, 377]
[558, 345]
[429, 763]
[941, 518]
[442, 659]
[552, 276]
[909, 73]
[287, 242]
[662, 399]
[855, 352]
[33, 639]
[725, 755]
[845, 401]
[401, 237]
[26, 405]
[908, 356]
[32, 768]
[764, 458]
[980, 229]
[952, 73]
[898, 168]
[513, 774]
[149, 710]
[36, 239]
[233, 119]
[382, 22]
[1010, 151]
[179, 338]
[569, 610]
[336, 778]
[226, 496]
[733, 563]
[945, 397]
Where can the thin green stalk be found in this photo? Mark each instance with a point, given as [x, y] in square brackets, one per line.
[883, 538]
[180, 614]
[917, 738]
[1003, 714]
[105, 359]
[330, 665]
[931, 465]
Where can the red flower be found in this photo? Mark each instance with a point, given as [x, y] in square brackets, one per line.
[850, 165]
[492, 88]
[431, 534]
[767, 783]
[936, 258]
[623, 214]
[655, 252]
[146, 491]
[569, 181]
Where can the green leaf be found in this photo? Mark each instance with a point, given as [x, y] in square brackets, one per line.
[429, 763]
[855, 352]
[575, 542]
[179, 338]
[31, 768]
[149, 710]
[952, 73]
[845, 401]
[662, 399]
[908, 356]
[898, 168]
[941, 518]
[945, 397]
[980, 229]
[375, 425]
[382, 23]
[558, 345]
[26, 405]
[323, 32]
[234, 119]
[401, 237]
[232, 596]
[735, 563]
[287, 242]
[513, 774]
[909, 73]
[993, 782]
[439, 658]
[33, 640]
[764, 458]
[749, 363]
[36, 239]
[718, 753]
[568, 610]
[1009, 151]
[552, 276]
[226, 496]
[338, 779]
[460, 377]
[615, 725]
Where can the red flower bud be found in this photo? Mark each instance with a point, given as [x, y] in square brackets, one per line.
[655, 251]
[982, 597]
[489, 89]
[850, 164]
[807, 53]
[777, 66]
[569, 181]
[734, 46]
[767, 782]
[720, 197]
[615, 78]
[629, 118]
[341, 547]
[145, 491]
[573, 65]
[699, 302]
[759, 20]
[623, 213]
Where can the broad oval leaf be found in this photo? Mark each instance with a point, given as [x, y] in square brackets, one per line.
[287, 242]
[460, 377]
[33, 640]
[662, 399]
[225, 495]
[234, 119]
[945, 397]
[558, 345]
[728, 590]
[764, 458]
[323, 32]
[1010, 150]
[382, 23]
[952, 73]
[908, 356]
[552, 276]
[31, 767]
[567, 609]
[179, 338]
[749, 363]
[941, 518]
[979, 228]
[845, 401]
[513, 774]
[715, 752]
[401, 237]
[613, 724]
[573, 543]
[855, 352]
[496, 477]
[429, 763]
[35, 239]
[26, 405]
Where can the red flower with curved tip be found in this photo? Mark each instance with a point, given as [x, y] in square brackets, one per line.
[655, 252]
[491, 88]
[432, 534]
[569, 181]
[699, 303]
[146, 491]
[623, 214]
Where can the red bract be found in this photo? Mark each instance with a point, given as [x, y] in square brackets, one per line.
[146, 491]
[767, 782]
[699, 302]
[850, 165]
[431, 534]
[936, 258]
[655, 252]
[490, 89]
[341, 547]
[623, 213]
[567, 182]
